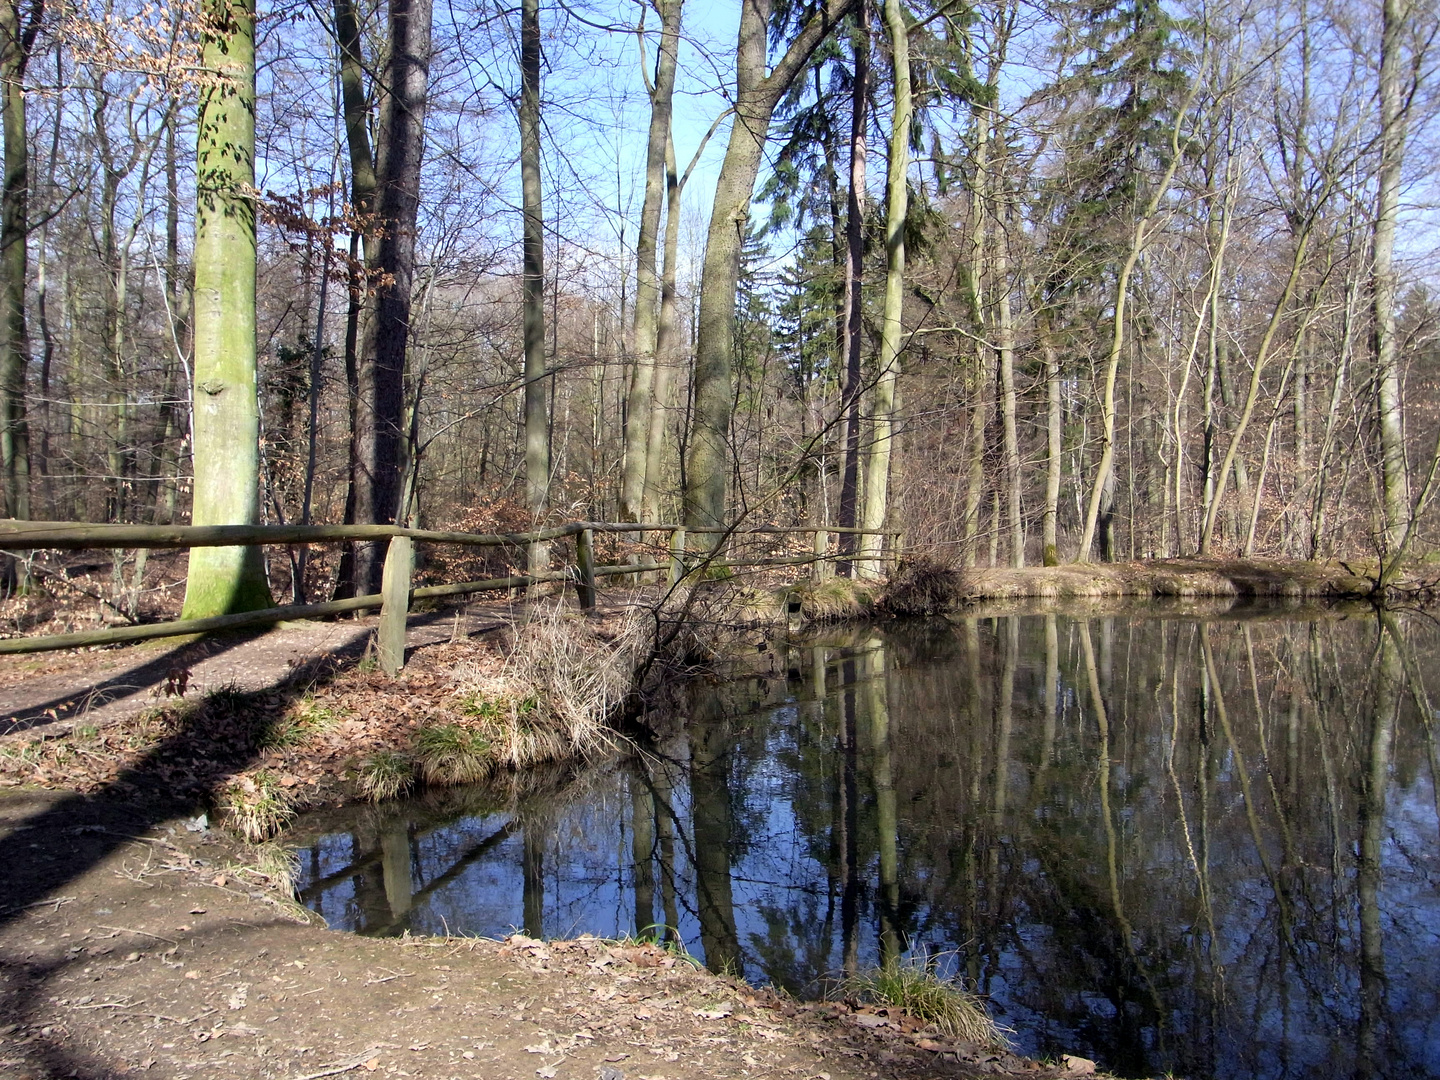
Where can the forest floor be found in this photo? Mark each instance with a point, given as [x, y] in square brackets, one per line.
[134, 942]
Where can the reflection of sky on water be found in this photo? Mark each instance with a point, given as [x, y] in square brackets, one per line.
[1009, 887]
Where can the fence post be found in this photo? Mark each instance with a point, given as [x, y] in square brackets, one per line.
[395, 603]
[677, 556]
[585, 567]
[819, 569]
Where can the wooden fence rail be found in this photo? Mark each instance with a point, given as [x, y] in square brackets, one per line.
[396, 592]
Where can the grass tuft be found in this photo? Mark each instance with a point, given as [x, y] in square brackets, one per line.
[833, 600]
[452, 754]
[943, 1004]
[258, 806]
[279, 865]
[385, 774]
[304, 720]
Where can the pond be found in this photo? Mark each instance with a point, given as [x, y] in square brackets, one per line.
[1206, 846]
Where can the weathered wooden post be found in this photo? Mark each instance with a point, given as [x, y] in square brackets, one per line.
[395, 603]
[820, 568]
[677, 556]
[585, 567]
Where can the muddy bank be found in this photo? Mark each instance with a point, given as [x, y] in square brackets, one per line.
[132, 944]
[1170, 578]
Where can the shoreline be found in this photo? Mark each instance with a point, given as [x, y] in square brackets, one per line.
[1186, 578]
[153, 946]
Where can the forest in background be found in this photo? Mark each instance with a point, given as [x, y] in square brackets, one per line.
[1025, 281]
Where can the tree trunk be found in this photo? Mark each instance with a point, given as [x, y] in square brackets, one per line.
[1054, 444]
[537, 431]
[1005, 340]
[356, 109]
[380, 415]
[640, 400]
[227, 416]
[707, 469]
[1252, 395]
[17, 38]
[851, 328]
[877, 453]
[1394, 470]
[1102, 496]
[664, 339]
[979, 373]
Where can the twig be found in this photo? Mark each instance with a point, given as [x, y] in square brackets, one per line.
[108, 1005]
[143, 933]
[344, 1066]
[57, 901]
[393, 975]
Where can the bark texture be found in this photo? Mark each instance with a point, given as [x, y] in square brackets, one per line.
[380, 412]
[227, 418]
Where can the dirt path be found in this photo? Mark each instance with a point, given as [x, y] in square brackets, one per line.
[55, 692]
[131, 944]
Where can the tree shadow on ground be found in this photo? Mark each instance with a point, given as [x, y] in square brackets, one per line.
[132, 680]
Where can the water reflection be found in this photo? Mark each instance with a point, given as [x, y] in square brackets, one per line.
[1203, 847]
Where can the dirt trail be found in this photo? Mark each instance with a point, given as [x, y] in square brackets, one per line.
[132, 945]
[55, 692]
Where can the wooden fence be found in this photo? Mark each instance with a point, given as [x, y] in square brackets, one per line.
[397, 593]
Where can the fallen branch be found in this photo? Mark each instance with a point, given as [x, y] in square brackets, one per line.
[344, 1066]
[57, 901]
[108, 1005]
[142, 933]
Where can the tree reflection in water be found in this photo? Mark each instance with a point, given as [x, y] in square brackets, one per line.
[1208, 847]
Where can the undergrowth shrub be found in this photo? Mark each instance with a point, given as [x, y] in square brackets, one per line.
[922, 585]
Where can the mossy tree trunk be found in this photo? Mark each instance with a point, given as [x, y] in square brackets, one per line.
[227, 416]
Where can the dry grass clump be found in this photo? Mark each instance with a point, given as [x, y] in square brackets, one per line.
[563, 680]
[576, 680]
[303, 721]
[385, 775]
[257, 806]
[922, 586]
[451, 754]
[278, 865]
[943, 1004]
[833, 600]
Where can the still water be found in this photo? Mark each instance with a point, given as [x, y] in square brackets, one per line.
[1207, 847]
